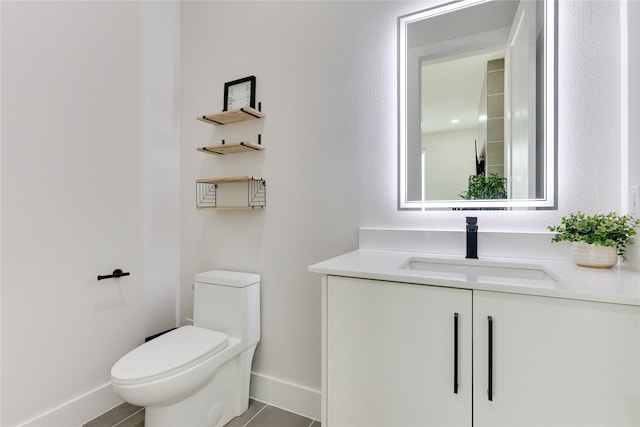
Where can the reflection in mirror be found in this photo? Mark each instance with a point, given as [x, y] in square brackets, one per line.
[477, 105]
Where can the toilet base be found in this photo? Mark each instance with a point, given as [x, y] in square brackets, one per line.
[224, 397]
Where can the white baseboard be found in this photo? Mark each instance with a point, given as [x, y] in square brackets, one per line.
[79, 410]
[282, 394]
[291, 397]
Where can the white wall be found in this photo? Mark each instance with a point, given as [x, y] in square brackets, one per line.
[632, 93]
[90, 158]
[327, 78]
[0, 212]
[449, 161]
[634, 90]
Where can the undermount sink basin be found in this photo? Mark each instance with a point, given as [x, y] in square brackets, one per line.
[464, 268]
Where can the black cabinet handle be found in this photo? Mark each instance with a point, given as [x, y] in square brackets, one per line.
[490, 358]
[455, 353]
[116, 273]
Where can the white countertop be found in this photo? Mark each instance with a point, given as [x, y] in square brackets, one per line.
[616, 285]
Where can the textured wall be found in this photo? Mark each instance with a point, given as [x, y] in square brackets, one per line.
[327, 79]
[89, 184]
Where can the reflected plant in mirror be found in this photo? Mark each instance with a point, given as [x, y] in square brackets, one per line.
[482, 187]
[477, 104]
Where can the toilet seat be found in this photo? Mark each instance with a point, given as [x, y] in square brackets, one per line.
[167, 355]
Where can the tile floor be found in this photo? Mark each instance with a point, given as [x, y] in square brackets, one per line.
[258, 415]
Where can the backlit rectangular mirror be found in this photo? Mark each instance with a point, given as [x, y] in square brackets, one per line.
[477, 106]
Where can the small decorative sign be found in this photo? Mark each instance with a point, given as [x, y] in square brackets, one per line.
[240, 93]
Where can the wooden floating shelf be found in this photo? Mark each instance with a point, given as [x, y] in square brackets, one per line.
[230, 208]
[207, 189]
[232, 116]
[235, 147]
[228, 179]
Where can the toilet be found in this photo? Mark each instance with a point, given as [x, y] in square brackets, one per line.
[197, 376]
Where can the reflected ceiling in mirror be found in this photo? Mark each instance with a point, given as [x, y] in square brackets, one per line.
[477, 116]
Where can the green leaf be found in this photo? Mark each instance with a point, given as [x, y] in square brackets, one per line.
[605, 230]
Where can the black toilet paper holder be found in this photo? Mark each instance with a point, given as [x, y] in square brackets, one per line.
[116, 273]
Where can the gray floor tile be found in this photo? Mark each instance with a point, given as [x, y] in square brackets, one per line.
[271, 416]
[257, 415]
[136, 420]
[115, 415]
[242, 420]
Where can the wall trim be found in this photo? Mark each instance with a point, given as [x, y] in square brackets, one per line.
[78, 410]
[282, 394]
[285, 395]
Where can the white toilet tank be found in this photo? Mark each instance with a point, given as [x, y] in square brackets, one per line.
[229, 302]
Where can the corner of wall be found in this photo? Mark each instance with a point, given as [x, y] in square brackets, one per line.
[292, 397]
[79, 410]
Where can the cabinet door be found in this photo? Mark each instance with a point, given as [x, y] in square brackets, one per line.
[391, 355]
[556, 362]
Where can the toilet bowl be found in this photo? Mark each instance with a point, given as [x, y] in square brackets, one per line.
[198, 376]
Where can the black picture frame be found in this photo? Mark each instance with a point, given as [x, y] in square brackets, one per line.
[228, 85]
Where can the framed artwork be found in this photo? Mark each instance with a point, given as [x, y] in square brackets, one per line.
[240, 93]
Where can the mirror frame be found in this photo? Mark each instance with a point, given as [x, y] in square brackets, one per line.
[550, 107]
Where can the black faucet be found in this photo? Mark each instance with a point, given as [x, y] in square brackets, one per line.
[472, 237]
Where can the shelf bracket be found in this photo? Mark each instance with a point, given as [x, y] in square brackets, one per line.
[207, 119]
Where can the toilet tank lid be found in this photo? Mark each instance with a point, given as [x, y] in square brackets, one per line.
[227, 278]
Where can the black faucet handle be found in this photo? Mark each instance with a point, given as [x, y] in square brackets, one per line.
[472, 237]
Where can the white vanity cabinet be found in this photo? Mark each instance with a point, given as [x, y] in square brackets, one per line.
[390, 358]
[390, 355]
[556, 362]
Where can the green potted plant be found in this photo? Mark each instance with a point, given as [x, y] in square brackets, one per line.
[483, 187]
[597, 240]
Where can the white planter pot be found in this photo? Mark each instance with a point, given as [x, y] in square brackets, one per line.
[588, 255]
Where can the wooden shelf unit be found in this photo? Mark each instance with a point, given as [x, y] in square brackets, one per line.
[234, 147]
[231, 116]
[206, 192]
[206, 189]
